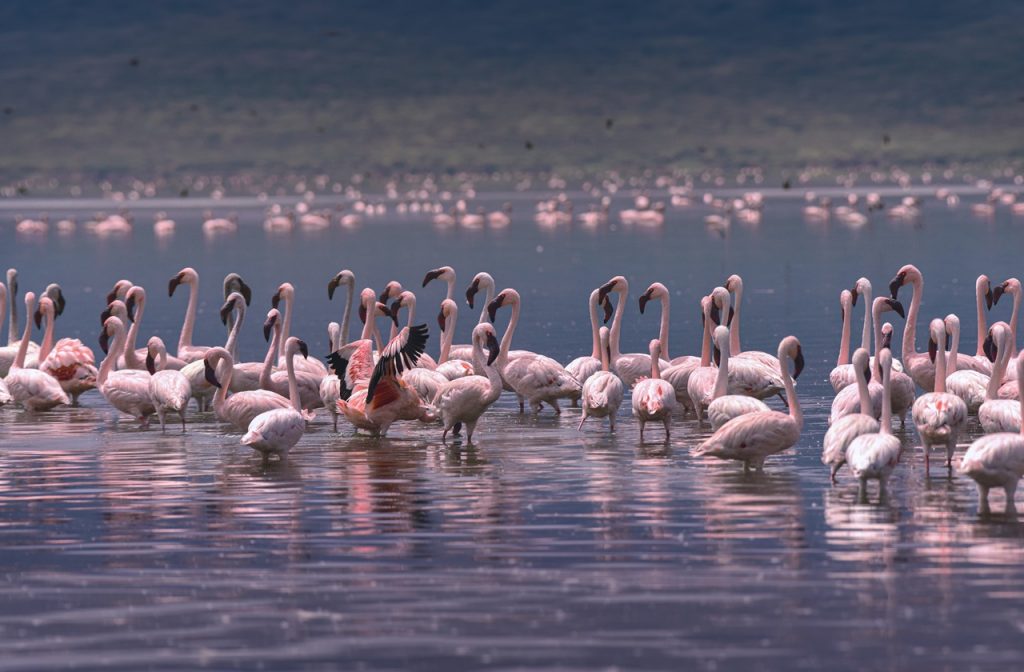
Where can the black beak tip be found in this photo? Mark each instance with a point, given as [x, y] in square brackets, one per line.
[246, 292]
[304, 349]
[275, 300]
[798, 363]
[643, 303]
[210, 374]
[898, 309]
[894, 287]
[38, 319]
[150, 364]
[854, 294]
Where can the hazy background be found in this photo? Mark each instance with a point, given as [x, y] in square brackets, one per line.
[193, 85]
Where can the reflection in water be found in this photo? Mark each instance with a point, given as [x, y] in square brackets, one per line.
[539, 545]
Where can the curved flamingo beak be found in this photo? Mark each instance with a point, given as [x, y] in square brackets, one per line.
[897, 307]
[173, 285]
[150, 363]
[268, 326]
[493, 348]
[798, 363]
[246, 291]
[897, 282]
[275, 300]
[492, 307]
[38, 318]
[997, 294]
[607, 304]
[210, 374]
[432, 275]
[303, 349]
[990, 348]
[471, 292]
[933, 349]
[225, 311]
[867, 373]
[441, 321]
[605, 289]
[104, 342]
[854, 293]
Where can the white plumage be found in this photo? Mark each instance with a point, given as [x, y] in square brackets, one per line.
[939, 416]
[275, 432]
[653, 398]
[753, 437]
[724, 407]
[603, 391]
[31, 388]
[128, 390]
[464, 400]
[871, 455]
[169, 389]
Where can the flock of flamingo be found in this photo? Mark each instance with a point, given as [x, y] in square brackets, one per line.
[373, 382]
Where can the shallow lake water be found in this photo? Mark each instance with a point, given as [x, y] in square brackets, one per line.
[539, 546]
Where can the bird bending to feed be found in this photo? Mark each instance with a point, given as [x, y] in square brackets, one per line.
[169, 389]
[654, 399]
[997, 460]
[939, 415]
[582, 368]
[753, 437]
[602, 393]
[69, 361]
[873, 455]
[845, 429]
[462, 401]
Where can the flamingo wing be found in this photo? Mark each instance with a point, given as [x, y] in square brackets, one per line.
[399, 355]
[352, 364]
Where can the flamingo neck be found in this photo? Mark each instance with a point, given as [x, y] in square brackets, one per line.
[844, 339]
[12, 325]
[876, 370]
[910, 330]
[940, 368]
[131, 359]
[979, 297]
[954, 352]
[506, 339]
[19, 360]
[862, 393]
[227, 364]
[3, 303]
[1013, 322]
[113, 352]
[346, 316]
[663, 331]
[998, 371]
[451, 289]
[866, 330]
[47, 344]
[185, 340]
[794, 403]
[487, 301]
[368, 325]
[286, 328]
[604, 359]
[885, 425]
[293, 386]
[722, 379]
[271, 358]
[446, 338]
[232, 343]
[734, 328]
[705, 346]
[493, 376]
[162, 359]
[616, 331]
[1020, 390]
[595, 328]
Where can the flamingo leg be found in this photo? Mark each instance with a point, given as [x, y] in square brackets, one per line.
[1011, 506]
[582, 420]
[983, 498]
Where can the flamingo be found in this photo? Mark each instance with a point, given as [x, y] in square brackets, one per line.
[847, 401]
[286, 293]
[753, 437]
[128, 390]
[970, 386]
[630, 367]
[659, 292]
[464, 400]
[734, 285]
[582, 368]
[32, 389]
[5, 394]
[8, 353]
[70, 362]
[873, 455]
[723, 407]
[602, 392]
[169, 389]
[241, 408]
[375, 404]
[939, 415]
[999, 415]
[499, 219]
[275, 432]
[863, 288]
[845, 429]
[997, 460]
[392, 290]
[119, 291]
[919, 365]
[654, 399]
[186, 351]
[534, 378]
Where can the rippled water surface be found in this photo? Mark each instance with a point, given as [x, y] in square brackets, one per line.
[540, 545]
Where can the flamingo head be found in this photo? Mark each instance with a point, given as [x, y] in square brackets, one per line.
[56, 294]
[273, 316]
[184, 277]
[391, 291]
[119, 291]
[346, 278]
[234, 283]
[617, 284]
[446, 273]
